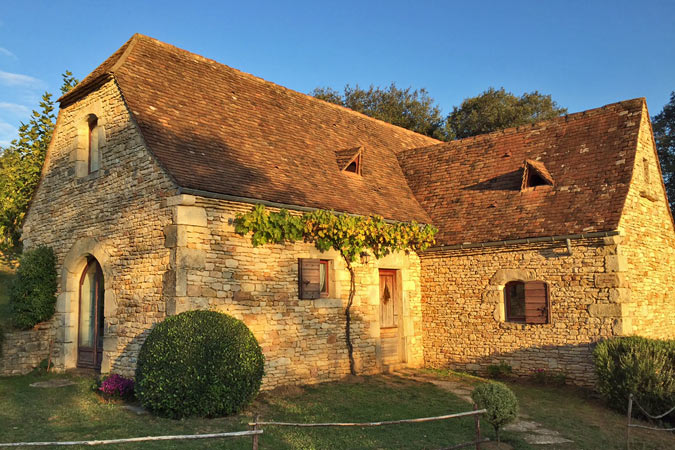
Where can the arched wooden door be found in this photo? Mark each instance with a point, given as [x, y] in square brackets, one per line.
[90, 326]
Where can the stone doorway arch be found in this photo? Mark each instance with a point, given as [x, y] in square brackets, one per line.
[67, 305]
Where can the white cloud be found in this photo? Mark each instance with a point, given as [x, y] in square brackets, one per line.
[17, 79]
[14, 108]
[4, 51]
[7, 133]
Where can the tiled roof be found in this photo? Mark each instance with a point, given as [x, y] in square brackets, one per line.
[471, 188]
[216, 129]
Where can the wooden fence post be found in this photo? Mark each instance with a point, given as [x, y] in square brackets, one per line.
[476, 419]
[255, 436]
[630, 412]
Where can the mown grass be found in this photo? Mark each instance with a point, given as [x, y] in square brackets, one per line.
[577, 414]
[77, 413]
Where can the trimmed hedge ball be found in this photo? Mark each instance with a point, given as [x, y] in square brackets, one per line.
[499, 401]
[199, 363]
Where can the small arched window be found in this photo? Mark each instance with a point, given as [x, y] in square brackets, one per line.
[527, 302]
[93, 155]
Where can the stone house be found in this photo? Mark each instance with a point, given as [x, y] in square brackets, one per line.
[552, 236]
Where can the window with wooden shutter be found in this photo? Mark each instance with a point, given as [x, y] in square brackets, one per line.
[527, 302]
[309, 278]
[536, 302]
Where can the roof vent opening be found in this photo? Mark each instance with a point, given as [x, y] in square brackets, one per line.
[535, 174]
[350, 160]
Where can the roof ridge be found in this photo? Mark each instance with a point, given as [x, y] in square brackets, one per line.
[138, 36]
[521, 128]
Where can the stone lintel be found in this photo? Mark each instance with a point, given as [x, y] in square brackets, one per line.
[605, 310]
[616, 263]
[619, 295]
[181, 199]
[190, 215]
[610, 280]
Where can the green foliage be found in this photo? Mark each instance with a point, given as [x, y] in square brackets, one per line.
[33, 295]
[2, 338]
[21, 166]
[198, 363]
[500, 401]
[664, 135]
[407, 108]
[349, 235]
[501, 370]
[496, 109]
[639, 366]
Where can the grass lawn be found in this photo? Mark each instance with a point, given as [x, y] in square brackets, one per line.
[577, 414]
[76, 413]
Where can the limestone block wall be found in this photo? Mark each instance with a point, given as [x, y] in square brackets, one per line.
[22, 351]
[114, 214]
[649, 244]
[303, 340]
[463, 301]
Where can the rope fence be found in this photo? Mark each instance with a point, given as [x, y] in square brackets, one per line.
[256, 431]
[182, 437]
[475, 413]
[629, 425]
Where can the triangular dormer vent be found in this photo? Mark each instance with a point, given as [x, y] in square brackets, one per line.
[535, 174]
[350, 160]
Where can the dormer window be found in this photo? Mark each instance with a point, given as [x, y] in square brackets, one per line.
[93, 155]
[535, 174]
[354, 166]
[350, 160]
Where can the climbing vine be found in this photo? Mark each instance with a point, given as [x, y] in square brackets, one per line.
[351, 236]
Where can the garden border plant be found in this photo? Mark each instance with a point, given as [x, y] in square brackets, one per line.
[199, 363]
[351, 236]
[640, 366]
[33, 293]
[499, 401]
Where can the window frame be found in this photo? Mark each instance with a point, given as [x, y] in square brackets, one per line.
[326, 264]
[92, 126]
[524, 319]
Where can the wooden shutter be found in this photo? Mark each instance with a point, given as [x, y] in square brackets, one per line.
[309, 278]
[536, 302]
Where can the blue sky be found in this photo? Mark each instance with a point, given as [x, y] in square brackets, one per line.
[585, 53]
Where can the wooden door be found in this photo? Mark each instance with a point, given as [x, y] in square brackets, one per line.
[389, 317]
[90, 323]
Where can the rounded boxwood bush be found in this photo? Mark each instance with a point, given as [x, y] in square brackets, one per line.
[639, 366]
[199, 363]
[33, 294]
[499, 401]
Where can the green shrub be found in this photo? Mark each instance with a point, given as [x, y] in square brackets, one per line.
[33, 294]
[639, 366]
[500, 401]
[501, 370]
[2, 338]
[199, 363]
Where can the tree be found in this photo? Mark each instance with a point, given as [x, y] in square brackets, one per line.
[351, 236]
[664, 135]
[407, 108]
[21, 166]
[496, 109]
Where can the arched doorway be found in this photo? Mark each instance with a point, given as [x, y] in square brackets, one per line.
[91, 315]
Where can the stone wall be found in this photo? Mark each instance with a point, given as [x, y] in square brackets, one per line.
[303, 340]
[649, 245]
[22, 351]
[113, 214]
[463, 306]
